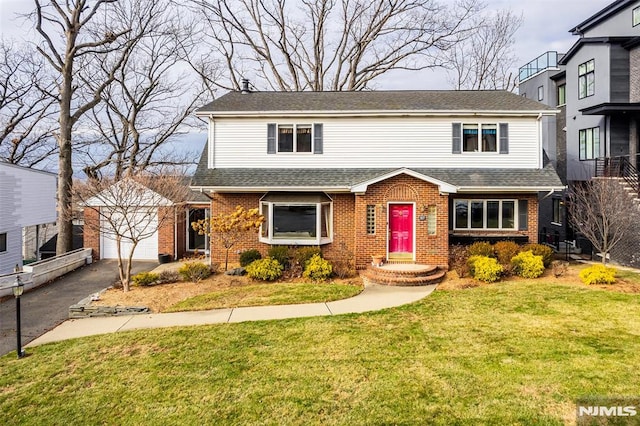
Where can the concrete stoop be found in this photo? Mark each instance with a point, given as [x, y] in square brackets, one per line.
[404, 274]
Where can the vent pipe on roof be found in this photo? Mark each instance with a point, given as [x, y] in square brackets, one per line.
[245, 86]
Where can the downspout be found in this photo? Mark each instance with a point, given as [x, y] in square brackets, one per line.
[175, 235]
[206, 237]
[540, 144]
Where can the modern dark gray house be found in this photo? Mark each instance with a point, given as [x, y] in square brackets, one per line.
[595, 86]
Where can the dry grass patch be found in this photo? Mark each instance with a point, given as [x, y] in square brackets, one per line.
[159, 298]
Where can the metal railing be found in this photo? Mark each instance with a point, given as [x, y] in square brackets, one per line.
[620, 167]
[542, 62]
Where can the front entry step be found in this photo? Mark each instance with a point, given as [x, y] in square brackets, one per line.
[399, 274]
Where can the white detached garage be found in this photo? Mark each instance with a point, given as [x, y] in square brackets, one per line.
[129, 220]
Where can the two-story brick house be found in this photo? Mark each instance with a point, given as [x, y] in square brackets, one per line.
[402, 173]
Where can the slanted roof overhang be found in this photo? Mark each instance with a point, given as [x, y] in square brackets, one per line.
[443, 187]
[613, 108]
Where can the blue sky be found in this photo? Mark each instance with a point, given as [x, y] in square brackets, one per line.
[545, 27]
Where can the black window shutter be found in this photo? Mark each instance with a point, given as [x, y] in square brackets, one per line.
[504, 138]
[456, 142]
[271, 138]
[523, 215]
[317, 138]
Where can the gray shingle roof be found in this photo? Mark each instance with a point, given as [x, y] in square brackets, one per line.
[431, 100]
[238, 179]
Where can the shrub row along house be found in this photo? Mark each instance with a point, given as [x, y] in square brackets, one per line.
[402, 174]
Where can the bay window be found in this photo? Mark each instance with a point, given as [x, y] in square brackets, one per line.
[300, 219]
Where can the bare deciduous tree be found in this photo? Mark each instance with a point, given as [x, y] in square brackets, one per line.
[330, 44]
[150, 103]
[603, 211]
[79, 37]
[131, 210]
[25, 106]
[485, 59]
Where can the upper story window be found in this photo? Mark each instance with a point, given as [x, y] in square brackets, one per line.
[589, 140]
[480, 137]
[540, 93]
[636, 16]
[587, 79]
[3, 242]
[294, 138]
[562, 94]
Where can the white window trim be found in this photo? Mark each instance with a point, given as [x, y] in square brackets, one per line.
[480, 152]
[318, 240]
[516, 225]
[295, 137]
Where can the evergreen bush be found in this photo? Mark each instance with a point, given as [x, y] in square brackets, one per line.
[267, 269]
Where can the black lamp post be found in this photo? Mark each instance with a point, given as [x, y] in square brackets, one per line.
[18, 289]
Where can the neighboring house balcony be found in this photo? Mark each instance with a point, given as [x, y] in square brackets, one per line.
[548, 60]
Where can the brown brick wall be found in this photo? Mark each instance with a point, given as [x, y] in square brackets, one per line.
[91, 231]
[166, 230]
[349, 221]
[430, 249]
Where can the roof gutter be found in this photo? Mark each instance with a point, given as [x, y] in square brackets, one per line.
[374, 113]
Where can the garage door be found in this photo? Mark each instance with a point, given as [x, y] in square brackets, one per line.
[147, 249]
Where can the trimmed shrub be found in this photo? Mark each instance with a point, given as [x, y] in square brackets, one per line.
[248, 256]
[458, 259]
[527, 265]
[302, 255]
[145, 279]
[486, 269]
[541, 250]
[267, 269]
[481, 248]
[281, 254]
[318, 269]
[194, 271]
[169, 276]
[598, 274]
[505, 251]
[342, 262]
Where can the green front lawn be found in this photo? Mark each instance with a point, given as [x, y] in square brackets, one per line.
[267, 294]
[508, 353]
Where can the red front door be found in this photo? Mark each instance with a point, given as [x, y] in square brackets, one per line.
[401, 230]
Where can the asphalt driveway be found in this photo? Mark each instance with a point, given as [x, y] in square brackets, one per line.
[47, 306]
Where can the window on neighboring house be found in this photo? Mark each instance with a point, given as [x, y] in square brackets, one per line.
[636, 16]
[485, 214]
[586, 79]
[432, 220]
[562, 94]
[371, 219]
[589, 140]
[3, 242]
[558, 211]
[540, 93]
[303, 219]
[294, 138]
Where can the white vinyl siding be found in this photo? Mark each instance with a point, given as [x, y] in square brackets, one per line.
[374, 142]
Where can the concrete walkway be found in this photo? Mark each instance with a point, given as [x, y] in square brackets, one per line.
[374, 297]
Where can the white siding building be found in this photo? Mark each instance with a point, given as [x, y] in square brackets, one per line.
[27, 198]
